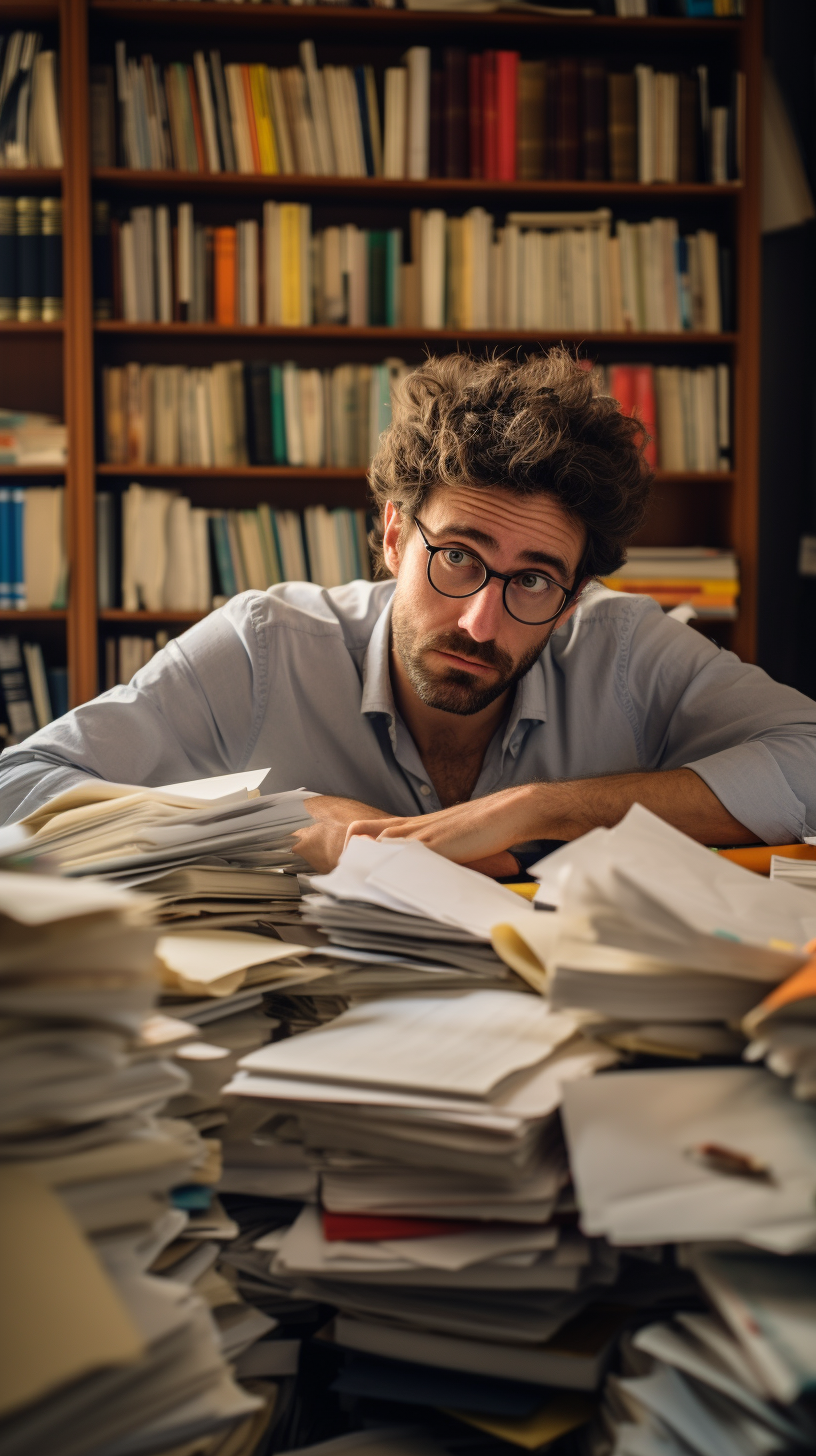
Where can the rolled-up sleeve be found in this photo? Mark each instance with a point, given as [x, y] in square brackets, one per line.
[750, 739]
[192, 711]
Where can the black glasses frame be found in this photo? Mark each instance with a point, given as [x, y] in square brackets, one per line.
[569, 593]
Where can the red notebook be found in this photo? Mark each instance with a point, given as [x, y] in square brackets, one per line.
[365, 1227]
[644, 408]
[506, 103]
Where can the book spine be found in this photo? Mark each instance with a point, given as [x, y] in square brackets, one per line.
[29, 259]
[17, 584]
[8, 259]
[51, 259]
[490, 159]
[6, 548]
[506, 108]
[475, 117]
[225, 275]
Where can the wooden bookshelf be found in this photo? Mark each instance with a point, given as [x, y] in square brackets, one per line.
[717, 508]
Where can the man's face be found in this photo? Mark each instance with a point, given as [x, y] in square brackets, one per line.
[460, 654]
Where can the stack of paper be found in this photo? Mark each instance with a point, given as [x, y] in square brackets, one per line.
[783, 1031]
[730, 1380]
[398, 914]
[657, 933]
[101, 1354]
[431, 1121]
[208, 852]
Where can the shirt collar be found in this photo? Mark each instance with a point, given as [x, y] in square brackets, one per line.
[529, 703]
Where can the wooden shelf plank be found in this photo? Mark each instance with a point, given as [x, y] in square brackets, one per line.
[33, 616]
[25, 471]
[118, 614]
[391, 335]
[21, 178]
[381, 23]
[24, 11]
[11, 326]
[338, 473]
[406, 190]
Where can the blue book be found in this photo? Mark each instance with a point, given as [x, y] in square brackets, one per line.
[6, 547]
[223, 555]
[17, 575]
[698, 8]
[362, 102]
[57, 679]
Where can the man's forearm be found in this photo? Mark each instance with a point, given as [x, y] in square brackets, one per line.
[568, 809]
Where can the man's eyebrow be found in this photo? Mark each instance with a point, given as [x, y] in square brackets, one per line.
[483, 538]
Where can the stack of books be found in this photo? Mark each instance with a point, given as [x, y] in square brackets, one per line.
[490, 115]
[706, 579]
[246, 414]
[548, 271]
[29, 113]
[33, 560]
[31, 693]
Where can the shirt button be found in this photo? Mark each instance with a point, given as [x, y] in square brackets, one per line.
[425, 789]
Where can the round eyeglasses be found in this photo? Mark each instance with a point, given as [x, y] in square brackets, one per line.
[529, 596]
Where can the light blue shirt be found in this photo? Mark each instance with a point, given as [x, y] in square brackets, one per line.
[297, 679]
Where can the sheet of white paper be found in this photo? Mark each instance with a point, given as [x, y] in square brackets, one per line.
[41, 899]
[207, 955]
[464, 1045]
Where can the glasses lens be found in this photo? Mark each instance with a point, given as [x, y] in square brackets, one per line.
[533, 598]
[455, 573]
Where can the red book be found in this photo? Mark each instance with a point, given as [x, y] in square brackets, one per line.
[506, 103]
[364, 1227]
[490, 157]
[622, 386]
[225, 249]
[475, 115]
[643, 408]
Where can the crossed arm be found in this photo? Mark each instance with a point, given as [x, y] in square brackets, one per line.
[480, 832]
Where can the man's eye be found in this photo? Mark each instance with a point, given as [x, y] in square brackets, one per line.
[456, 557]
[530, 581]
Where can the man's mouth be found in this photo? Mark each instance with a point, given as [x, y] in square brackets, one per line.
[464, 664]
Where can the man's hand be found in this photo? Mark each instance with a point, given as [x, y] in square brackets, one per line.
[321, 843]
[480, 829]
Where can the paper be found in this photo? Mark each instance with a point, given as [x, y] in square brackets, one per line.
[464, 1046]
[63, 1317]
[630, 1134]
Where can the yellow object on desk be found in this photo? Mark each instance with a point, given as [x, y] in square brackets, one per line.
[526, 890]
[757, 857]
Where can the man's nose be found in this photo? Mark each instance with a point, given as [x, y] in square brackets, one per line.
[482, 614]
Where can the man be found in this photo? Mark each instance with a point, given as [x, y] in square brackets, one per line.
[486, 700]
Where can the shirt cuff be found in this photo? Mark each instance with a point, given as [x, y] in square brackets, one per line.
[750, 784]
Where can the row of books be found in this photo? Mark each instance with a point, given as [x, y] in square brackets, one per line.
[177, 557]
[706, 579]
[31, 259]
[686, 412]
[549, 271]
[31, 694]
[246, 413]
[691, 9]
[30, 133]
[33, 557]
[490, 115]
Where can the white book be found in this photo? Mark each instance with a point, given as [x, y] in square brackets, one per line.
[314, 542]
[320, 112]
[203, 418]
[304, 139]
[432, 301]
[357, 261]
[185, 254]
[46, 140]
[35, 667]
[272, 263]
[719, 143]
[710, 277]
[43, 545]
[205, 95]
[723, 416]
[670, 433]
[143, 250]
[166, 415]
[179, 586]
[334, 108]
[238, 118]
[669, 260]
[306, 291]
[290, 539]
[418, 61]
[332, 287]
[248, 271]
[481, 234]
[127, 258]
[311, 404]
[396, 121]
[645, 81]
[292, 412]
[354, 123]
[249, 537]
[164, 266]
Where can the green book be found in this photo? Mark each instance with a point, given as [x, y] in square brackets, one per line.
[269, 545]
[393, 265]
[278, 414]
[377, 242]
[223, 556]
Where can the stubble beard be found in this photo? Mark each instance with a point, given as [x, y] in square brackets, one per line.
[451, 689]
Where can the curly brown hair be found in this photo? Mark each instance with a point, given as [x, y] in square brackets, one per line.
[529, 426]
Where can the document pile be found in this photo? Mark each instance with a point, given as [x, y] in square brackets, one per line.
[102, 1354]
[210, 852]
[669, 942]
[398, 916]
[783, 1031]
[729, 1380]
[441, 1236]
